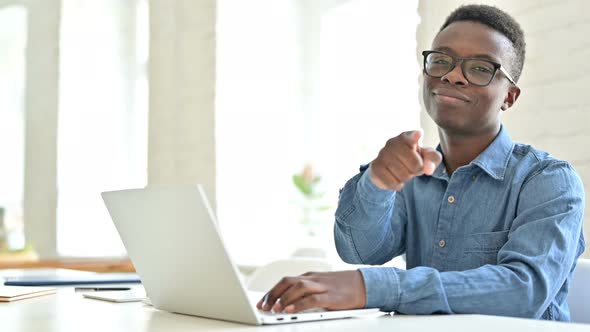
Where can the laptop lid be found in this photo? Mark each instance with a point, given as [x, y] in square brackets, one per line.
[172, 238]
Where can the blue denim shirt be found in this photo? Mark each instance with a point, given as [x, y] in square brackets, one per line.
[500, 236]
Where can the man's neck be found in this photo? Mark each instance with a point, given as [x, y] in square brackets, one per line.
[460, 150]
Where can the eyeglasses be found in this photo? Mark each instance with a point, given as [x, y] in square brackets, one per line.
[478, 72]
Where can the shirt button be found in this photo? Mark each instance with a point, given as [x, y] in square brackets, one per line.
[451, 199]
[442, 243]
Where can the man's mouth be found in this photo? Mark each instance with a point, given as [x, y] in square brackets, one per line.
[450, 96]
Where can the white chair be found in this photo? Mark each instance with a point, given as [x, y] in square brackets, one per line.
[309, 252]
[265, 277]
[579, 293]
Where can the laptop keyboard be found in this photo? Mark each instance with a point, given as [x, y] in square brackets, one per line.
[270, 313]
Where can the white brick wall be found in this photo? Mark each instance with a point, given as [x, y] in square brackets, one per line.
[553, 112]
[40, 192]
[182, 93]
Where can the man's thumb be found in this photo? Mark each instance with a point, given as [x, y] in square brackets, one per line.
[414, 136]
[432, 159]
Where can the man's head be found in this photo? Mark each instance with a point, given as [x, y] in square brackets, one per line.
[499, 21]
[461, 99]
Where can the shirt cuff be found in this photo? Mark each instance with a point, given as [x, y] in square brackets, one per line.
[382, 288]
[370, 192]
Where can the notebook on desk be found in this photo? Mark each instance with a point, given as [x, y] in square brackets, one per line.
[15, 293]
[60, 277]
[172, 238]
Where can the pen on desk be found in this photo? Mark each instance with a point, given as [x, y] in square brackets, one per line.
[100, 289]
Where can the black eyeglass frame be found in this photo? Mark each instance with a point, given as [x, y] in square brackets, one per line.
[456, 60]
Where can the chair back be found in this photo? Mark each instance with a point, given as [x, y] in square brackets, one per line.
[579, 294]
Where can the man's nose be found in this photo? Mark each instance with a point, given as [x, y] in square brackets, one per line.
[455, 76]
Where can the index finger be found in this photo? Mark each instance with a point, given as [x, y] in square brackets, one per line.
[302, 288]
[262, 301]
[412, 137]
[432, 159]
[275, 293]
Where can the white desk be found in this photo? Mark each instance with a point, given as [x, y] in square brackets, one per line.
[68, 311]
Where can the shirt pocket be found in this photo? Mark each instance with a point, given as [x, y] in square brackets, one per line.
[482, 248]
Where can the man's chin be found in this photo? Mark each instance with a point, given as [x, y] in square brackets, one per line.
[454, 126]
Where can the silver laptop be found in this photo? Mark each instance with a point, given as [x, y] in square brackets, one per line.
[172, 238]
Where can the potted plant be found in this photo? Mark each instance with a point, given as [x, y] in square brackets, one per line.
[307, 184]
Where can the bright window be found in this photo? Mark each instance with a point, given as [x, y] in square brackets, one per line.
[13, 39]
[305, 82]
[368, 89]
[258, 124]
[102, 131]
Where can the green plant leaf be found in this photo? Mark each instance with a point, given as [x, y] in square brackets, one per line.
[303, 187]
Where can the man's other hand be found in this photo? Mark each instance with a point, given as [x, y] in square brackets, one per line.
[327, 290]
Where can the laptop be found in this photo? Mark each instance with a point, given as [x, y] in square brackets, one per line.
[172, 238]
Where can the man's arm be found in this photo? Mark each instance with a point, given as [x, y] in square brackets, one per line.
[541, 250]
[371, 216]
[370, 222]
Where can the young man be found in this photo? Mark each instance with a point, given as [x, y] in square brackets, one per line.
[488, 226]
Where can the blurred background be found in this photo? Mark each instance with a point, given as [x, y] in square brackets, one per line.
[270, 104]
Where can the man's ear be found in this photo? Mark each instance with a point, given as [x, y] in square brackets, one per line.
[511, 97]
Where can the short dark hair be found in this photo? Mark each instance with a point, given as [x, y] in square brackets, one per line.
[497, 20]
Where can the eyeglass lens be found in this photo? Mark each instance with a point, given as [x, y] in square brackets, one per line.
[478, 72]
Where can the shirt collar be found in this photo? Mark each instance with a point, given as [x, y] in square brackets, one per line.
[493, 160]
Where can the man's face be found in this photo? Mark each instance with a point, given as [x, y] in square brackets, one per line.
[455, 104]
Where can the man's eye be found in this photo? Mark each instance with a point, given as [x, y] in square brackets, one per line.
[482, 69]
[441, 62]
